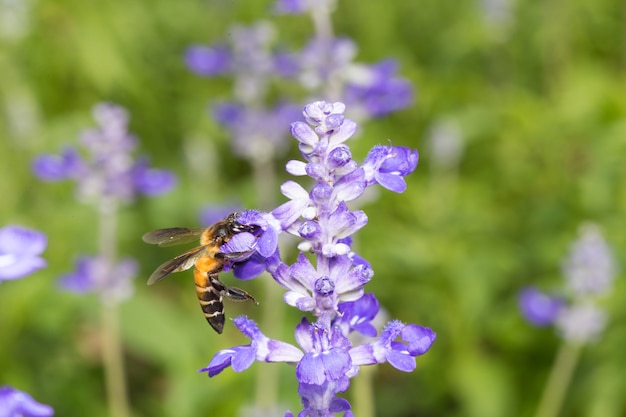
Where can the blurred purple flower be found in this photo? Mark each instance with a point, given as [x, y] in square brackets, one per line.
[109, 170]
[291, 6]
[96, 275]
[581, 323]
[207, 61]
[376, 91]
[589, 270]
[589, 267]
[211, 214]
[538, 308]
[446, 144]
[256, 133]
[20, 250]
[65, 166]
[15, 403]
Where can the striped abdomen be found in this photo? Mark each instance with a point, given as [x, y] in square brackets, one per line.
[210, 297]
[209, 290]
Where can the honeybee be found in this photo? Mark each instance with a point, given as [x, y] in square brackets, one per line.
[208, 262]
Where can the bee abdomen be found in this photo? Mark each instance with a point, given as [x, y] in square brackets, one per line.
[210, 298]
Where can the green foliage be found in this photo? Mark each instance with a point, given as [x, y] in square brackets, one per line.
[541, 106]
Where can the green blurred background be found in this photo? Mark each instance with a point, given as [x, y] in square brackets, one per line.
[536, 93]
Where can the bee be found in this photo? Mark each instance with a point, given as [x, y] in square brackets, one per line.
[207, 261]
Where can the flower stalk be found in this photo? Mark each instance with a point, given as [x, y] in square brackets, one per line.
[559, 380]
[328, 278]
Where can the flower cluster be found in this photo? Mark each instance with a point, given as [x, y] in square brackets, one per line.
[252, 63]
[371, 91]
[110, 170]
[107, 175]
[20, 251]
[589, 270]
[96, 274]
[331, 287]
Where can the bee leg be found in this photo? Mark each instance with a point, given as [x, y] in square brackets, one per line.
[232, 293]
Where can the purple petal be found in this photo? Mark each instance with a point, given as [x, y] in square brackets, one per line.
[50, 167]
[338, 405]
[282, 352]
[244, 358]
[289, 212]
[336, 363]
[19, 250]
[350, 186]
[419, 338]
[154, 182]
[310, 369]
[228, 114]
[267, 243]
[241, 242]
[345, 132]
[290, 6]
[206, 61]
[391, 182]
[401, 361]
[17, 239]
[251, 268]
[538, 308]
[303, 335]
[220, 361]
[15, 403]
[297, 168]
[303, 133]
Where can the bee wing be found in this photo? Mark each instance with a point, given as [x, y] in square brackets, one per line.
[173, 236]
[179, 263]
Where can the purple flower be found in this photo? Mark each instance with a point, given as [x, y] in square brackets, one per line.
[20, 251]
[581, 323]
[589, 270]
[259, 249]
[328, 278]
[358, 315]
[320, 399]
[65, 166]
[538, 308]
[96, 274]
[290, 6]
[256, 133]
[377, 91]
[589, 267]
[150, 181]
[388, 165]
[109, 169]
[416, 340]
[261, 348]
[326, 357]
[207, 62]
[15, 403]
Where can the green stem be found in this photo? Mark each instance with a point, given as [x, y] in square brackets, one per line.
[112, 354]
[363, 392]
[267, 381]
[114, 374]
[322, 23]
[558, 380]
